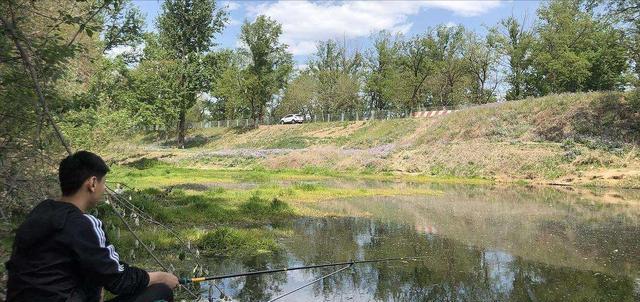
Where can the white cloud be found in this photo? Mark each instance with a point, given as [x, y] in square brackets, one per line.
[301, 67]
[230, 5]
[125, 49]
[403, 28]
[301, 47]
[451, 24]
[233, 22]
[465, 8]
[305, 22]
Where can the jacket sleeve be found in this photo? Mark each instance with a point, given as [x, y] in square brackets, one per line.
[99, 259]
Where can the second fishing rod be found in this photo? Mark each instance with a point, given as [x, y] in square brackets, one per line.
[285, 269]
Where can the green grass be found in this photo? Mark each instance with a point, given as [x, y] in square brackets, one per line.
[227, 222]
[376, 133]
[226, 242]
[162, 174]
[190, 196]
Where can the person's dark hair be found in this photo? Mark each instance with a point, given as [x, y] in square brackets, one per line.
[75, 169]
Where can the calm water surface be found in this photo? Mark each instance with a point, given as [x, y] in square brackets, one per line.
[480, 244]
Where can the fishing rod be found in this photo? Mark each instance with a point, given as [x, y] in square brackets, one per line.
[309, 283]
[286, 269]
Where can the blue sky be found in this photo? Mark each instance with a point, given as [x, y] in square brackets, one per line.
[305, 22]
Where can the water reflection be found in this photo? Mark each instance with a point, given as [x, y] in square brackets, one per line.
[480, 243]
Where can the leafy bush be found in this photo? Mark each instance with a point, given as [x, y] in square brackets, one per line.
[94, 129]
[259, 207]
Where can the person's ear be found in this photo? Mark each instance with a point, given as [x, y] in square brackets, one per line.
[92, 186]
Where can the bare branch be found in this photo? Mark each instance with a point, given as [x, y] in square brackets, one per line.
[9, 27]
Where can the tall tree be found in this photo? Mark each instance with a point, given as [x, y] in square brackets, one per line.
[481, 56]
[383, 79]
[338, 74]
[269, 63]
[515, 43]
[157, 91]
[634, 48]
[123, 27]
[575, 51]
[300, 96]
[187, 28]
[233, 87]
[449, 84]
[418, 65]
[629, 12]
[45, 53]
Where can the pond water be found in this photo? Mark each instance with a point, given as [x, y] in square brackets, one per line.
[480, 243]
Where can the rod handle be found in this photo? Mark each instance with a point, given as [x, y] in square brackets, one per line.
[185, 280]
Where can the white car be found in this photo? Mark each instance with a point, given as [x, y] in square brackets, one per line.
[292, 119]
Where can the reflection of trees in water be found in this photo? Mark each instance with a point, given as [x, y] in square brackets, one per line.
[554, 231]
[261, 287]
[539, 224]
[451, 272]
[324, 241]
[536, 282]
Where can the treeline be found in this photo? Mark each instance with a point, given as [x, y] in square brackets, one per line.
[178, 75]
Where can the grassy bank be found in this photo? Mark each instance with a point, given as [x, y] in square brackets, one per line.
[236, 196]
[585, 139]
[236, 213]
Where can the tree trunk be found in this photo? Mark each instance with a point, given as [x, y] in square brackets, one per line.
[182, 128]
[260, 116]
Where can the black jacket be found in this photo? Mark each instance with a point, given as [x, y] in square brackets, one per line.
[61, 254]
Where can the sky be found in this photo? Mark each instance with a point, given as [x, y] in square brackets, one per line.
[353, 22]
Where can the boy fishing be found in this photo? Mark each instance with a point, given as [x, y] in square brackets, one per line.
[61, 253]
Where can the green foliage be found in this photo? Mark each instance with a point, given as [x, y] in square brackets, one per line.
[384, 85]
[156, 94]
[259, 207]
[94, 129]
[186, 31]
[336, 75]
[482, 59]
[575, 51]
[268, 65]
[299, 96]
[226, 241]
[516, 44]
[445, 66]
[123, 26]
